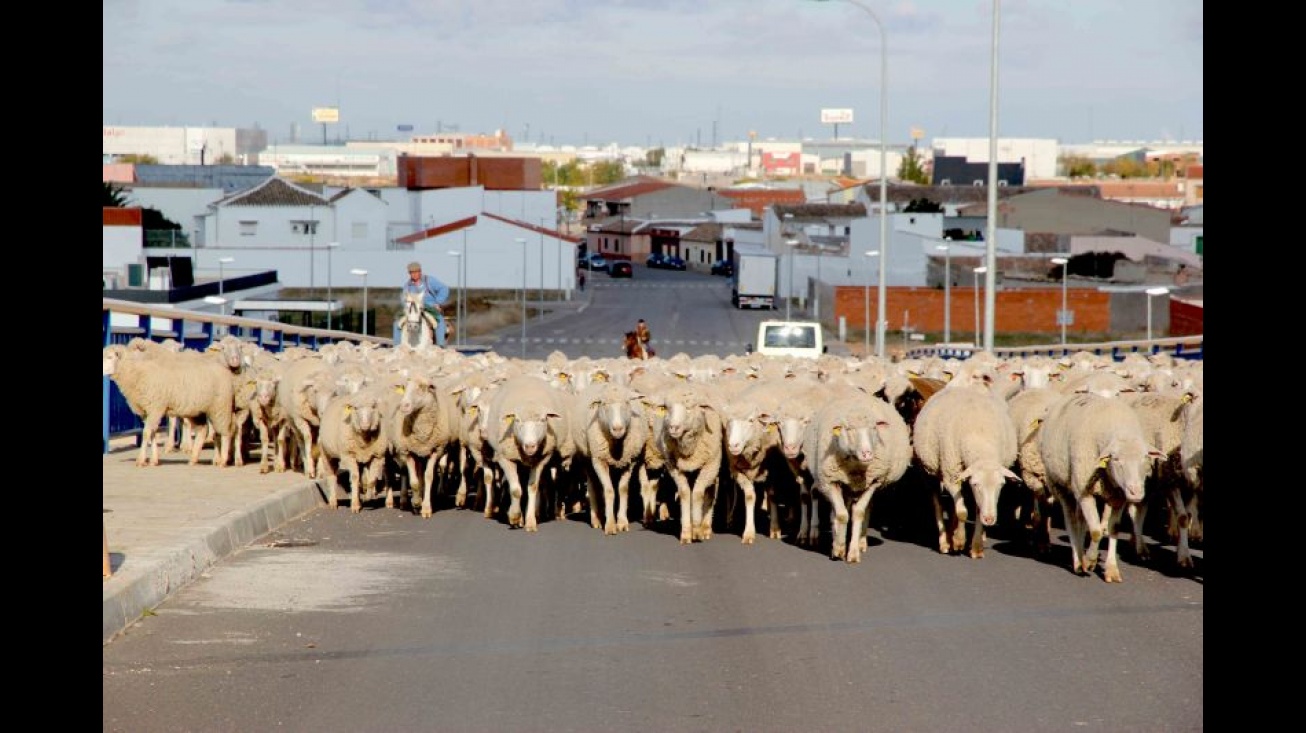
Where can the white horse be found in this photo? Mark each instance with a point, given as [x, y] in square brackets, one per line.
[417, 328]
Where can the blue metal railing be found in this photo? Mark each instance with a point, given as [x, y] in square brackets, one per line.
[1182, 347]
[195, 330]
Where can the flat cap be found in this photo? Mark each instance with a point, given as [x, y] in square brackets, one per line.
[414, 267]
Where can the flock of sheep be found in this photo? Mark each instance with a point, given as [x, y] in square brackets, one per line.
[1097, 438]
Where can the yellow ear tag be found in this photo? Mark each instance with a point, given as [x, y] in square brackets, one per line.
[507, 419]
[770, 427]
[473, 410]
[837, 429]
[399, 390]
[1102, 463]
[662, 409]
[349, 409]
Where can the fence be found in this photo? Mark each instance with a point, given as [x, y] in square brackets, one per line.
[194, 330]
[1182, 347]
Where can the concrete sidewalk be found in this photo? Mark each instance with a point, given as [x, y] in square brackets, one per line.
[167, 524]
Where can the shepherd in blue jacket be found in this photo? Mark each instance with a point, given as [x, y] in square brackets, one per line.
[435, 295]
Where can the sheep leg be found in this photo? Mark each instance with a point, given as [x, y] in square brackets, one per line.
[514, 492]
[351, 465]
[1137, 514]
[460, 498]
[648, 496]
[958, 523]
[623, 499]
[1092, 523]
[861, 510]
[809, 521]
[939, 522]
[533, 497]
[838, 520]
[866, 519]
[601, 478]
[1111, 573]
[149, 426]
[428, 481]
[306, 444]
[701, 505]
[772, 511]
[750, 500]
[683, 494]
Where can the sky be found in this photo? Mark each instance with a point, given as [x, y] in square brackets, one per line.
[655, 73]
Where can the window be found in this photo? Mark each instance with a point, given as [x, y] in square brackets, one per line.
[248, 228]
[303, 226]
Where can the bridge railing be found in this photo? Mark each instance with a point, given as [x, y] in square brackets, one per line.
[124, 320]
[1182, 347]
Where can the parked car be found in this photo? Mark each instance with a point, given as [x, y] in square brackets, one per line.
[723, 267]
[595, 261]
[655, 260]
[620, 268]
[673, 263]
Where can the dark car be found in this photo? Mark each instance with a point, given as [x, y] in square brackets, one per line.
[655, 260]
[723, 267]
[673, 263]
[620, 268]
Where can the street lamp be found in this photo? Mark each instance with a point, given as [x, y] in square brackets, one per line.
[458, 301]
[793, 245]
[222, 305]
[363, 274]
[541, 267]
[946, 247]
[222, 278]
[462, 294]
[991, 235]
[330, 246]
[978, 271]
[1062, 316]
[884, 180]
[522, 242]
[1151, 292]
[866, 303]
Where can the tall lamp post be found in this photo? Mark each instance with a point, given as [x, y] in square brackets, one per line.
[363, 274]
[541, 266]
[884, 176]
[522, 242]
[946, 247]
[991, 236]
[866, 302]
[330, 246]
[793, 246]
[1062, 316]
[978, 271]
[462, 294]
[458, 301]
[1151, 293]
[222, 280]
[222, 305]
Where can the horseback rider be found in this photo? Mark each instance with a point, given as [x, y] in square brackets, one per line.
[642, 333]
[435, 293]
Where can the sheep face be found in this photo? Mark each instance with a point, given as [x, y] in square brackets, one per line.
[265, 389]
[111, 356]
[791, 435]
[742, 428]
[1127, 462]
[529, 432]
[418, 393]
[614, 416]
[855, 442]
[986, 482]
[364, 414]
[680, 419]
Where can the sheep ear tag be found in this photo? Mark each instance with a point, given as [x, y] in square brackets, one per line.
[771, 427]
[349, 409]
[1103, 461]
[399, 390]
[472, 410]
[836, 430]
[507, 419]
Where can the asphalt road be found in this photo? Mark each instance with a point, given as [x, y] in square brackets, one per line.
[383, 621]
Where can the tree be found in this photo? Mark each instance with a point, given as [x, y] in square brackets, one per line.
[1125, 167]
[922, 206]
[138, 158]
[607, 171]
[911, 168]
[1077, 166]
[653, 158]
[114, 195]
[226, 159]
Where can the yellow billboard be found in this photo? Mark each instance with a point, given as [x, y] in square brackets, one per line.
[326, 114]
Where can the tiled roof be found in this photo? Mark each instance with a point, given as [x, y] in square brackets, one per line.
[630, 188]
[821, 211]
[704, 233]
[436, 231]
[275, 192]
[756, 199]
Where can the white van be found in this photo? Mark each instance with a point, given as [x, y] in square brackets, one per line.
[790, 338]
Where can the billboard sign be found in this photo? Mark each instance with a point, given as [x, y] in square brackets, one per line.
[405, 128]
[326, 114]
[836, 116]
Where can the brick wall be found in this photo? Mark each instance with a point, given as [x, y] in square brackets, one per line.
[1022, 310]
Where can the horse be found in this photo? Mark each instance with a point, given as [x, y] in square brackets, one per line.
[635, 347]
[416, 328]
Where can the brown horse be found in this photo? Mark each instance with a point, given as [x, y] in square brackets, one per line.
[634, 347]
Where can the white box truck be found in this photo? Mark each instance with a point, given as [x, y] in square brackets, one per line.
[754, 283]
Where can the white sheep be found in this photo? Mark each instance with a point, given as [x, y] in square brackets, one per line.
[297, 393]
[1094, 448]
[1162, 417]
[351, 437]
[752, 433]
[965, 435]
[422, 427]
[1028, 411]
[854, 447]
[1191, 448]
[269, 418]
[613, 437]
[527, 425]
[692, 437]
[163, 384]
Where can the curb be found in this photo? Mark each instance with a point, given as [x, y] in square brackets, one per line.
[130, 593]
